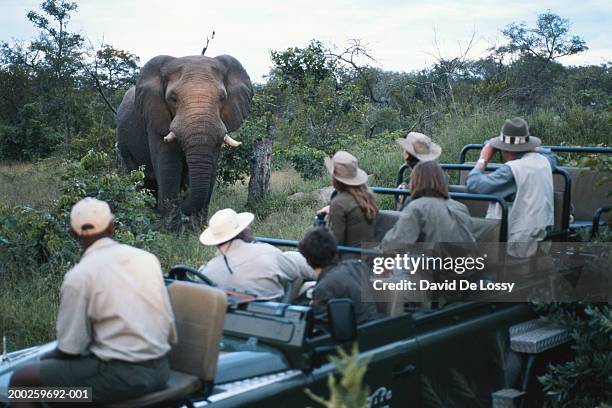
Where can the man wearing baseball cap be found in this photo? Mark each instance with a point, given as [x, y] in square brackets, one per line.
[115, 325]
[525, 179]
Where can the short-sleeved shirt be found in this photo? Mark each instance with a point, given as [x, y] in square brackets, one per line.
[256, 267]
[115, 305]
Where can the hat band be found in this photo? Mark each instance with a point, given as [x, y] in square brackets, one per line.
[514, 140]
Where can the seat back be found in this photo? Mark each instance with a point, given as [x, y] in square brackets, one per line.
[199, 311]
[385, 220]
[588, 192]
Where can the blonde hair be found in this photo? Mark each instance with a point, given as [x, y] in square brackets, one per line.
[362, 195]
[427, 180]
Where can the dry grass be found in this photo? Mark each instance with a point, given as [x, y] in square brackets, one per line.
[34, 185]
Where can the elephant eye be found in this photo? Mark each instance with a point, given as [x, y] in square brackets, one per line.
[172, 97]
[223, 96]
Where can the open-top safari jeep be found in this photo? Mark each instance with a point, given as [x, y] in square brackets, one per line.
[234, 351]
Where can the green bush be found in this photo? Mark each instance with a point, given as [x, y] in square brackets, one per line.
[30, 238]
[28, 137]
[585, 380]
[307, 161]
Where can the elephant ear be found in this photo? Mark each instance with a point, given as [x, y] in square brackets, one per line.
[239, 92]
[150, 94]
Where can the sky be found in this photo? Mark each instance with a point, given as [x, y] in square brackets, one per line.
[401, 34]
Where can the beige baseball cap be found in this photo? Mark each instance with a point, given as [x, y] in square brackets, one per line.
[90, 216]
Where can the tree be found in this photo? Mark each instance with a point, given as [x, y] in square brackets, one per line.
[62, 51]
[548, 40]
[116, 69]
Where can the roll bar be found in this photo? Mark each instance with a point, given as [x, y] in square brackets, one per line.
[559, 149]
[567, 179]
[292, 243]
[503, 233]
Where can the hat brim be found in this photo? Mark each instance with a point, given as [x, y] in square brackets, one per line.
[434, 153]
[533, 142]
[359, 179]
[243, 220]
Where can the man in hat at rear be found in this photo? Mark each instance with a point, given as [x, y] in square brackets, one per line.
[115, 324]
[525, 179]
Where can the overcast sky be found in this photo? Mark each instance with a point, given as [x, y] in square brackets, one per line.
[399, 33]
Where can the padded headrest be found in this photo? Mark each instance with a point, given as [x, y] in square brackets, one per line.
[588, 192]
[199, 311]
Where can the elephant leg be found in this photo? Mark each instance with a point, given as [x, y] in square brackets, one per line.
[168, 166]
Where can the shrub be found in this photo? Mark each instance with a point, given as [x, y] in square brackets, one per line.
[28, 137]
[585, 380]
[308, 161]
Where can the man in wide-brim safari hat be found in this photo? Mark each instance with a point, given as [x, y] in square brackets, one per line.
[245, 265]
[525, 179]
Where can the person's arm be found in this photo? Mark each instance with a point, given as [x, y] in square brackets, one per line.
[404, 233]
[294, 266]
[337, 221]
[499, 182]
[73, 326]
[321, 294]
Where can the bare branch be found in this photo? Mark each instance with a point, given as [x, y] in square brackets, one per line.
[212, 37]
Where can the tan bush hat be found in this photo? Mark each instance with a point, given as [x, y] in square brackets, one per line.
[420, 146]
[343, 167]
[90, 216]
[514, 137]
[224, 225]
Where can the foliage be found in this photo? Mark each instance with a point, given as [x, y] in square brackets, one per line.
[27, 137]
[584, 381]
[307, 161]
[548, 40]
[349, 392]
[30, 237]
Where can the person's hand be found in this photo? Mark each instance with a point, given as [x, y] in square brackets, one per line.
[403, 186]
[324, 210]
[536, 149]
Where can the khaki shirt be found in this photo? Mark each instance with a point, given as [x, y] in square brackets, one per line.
[114, 303]
[258, 268]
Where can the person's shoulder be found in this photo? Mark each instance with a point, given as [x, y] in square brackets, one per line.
[343, 199]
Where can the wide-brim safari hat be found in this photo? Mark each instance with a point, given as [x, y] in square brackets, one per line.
[420, 146]
[224, 225]
[514, 137]
[343, 167]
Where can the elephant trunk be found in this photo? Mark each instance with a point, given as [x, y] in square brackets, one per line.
[202, 161]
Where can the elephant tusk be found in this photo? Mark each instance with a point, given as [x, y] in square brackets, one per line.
[231, 142]
[170, 137]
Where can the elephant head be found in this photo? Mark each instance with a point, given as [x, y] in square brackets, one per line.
[194, 102]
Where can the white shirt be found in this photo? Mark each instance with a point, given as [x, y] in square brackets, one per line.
[257, 267]
[114, 303]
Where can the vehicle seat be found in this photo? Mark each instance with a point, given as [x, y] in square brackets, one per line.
[588, 194]
[385, 220]
[199, 311]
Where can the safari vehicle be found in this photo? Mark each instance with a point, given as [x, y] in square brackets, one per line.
[234, 351]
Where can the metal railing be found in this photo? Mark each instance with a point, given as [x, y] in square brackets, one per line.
[567, 185]
[555, 149]
[341, 248]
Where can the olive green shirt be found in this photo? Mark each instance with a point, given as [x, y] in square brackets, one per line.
[348, 222]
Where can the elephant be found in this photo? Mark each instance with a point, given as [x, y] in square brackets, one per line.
[174, 121]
